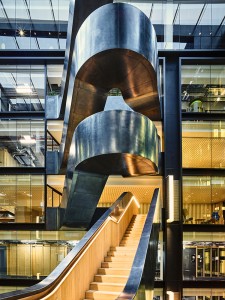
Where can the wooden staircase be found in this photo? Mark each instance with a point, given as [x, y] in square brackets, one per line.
[111, 278]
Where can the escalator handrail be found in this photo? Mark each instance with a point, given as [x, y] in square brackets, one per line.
[58, 273]
[134, 279]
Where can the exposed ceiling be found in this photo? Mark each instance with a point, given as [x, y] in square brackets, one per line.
[38, 24]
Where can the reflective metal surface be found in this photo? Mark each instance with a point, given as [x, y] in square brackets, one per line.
[112, 142]
[114, 47]
[81, 198]
[138, 266]
[79, 10]
[117, 142]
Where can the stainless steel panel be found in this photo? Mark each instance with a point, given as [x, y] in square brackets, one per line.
[119, 142]
[114, 47]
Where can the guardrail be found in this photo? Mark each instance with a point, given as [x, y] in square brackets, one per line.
[66, 278]
[134, 280]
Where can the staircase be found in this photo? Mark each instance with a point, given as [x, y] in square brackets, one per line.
[111, 278]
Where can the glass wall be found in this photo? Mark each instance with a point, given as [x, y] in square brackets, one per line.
[203, 255]
[33, 24]
[203, 144]
[203, 200]
[22, 143]
[22, 198]
[34, 254]
[203, 88]
[39, 24]
[179, 25]
[22, 88]
[54, 197]
[203, 294]
[55, 184]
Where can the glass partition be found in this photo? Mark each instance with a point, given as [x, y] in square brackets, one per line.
[183, 25]
[55, 184]
[22, 143]
[39, 24]
[203, 88]
[203, 294]
[33, 24]
[203, 200]
[22, 88]
[203, 144]
[22, 198]
[203, 255]
[34, 254]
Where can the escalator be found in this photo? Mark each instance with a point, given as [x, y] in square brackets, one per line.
[109, 262]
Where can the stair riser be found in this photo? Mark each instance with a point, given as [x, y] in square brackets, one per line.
[119, 259]
[113, 271]
[100, 296]
[121, 253]
[106, 287]
[119, 265]
[110, 279]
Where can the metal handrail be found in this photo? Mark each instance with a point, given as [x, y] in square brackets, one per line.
[134, 280]
[59, 272]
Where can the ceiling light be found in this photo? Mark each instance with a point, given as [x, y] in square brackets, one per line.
[21, 32]
[23, 89]
[27, 140]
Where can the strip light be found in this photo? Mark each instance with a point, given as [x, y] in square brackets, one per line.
[171, 295]
[23, 89]
[170, 191]
[136, 201]
[27, 140]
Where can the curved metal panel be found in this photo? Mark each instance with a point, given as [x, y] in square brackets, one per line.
[118, 142]
[115, 47]
[79, 10]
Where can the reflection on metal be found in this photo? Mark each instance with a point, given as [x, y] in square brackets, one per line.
[114, 47]
[143, 261]
[117, 142]
[79, 10]
[82, 198]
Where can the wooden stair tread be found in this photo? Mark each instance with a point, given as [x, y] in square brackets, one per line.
[118, 258]
[113, 271]
[116, 264]
[97, 295]
[107, 286]
[112, 276]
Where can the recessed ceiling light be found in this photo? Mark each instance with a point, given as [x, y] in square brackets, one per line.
[21, 32]
[23, 89]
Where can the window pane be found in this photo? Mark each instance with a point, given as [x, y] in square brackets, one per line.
[22, 143]
[203, 144]
[203, 88]
[22, 198]
[22, 88]
[203, 200]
